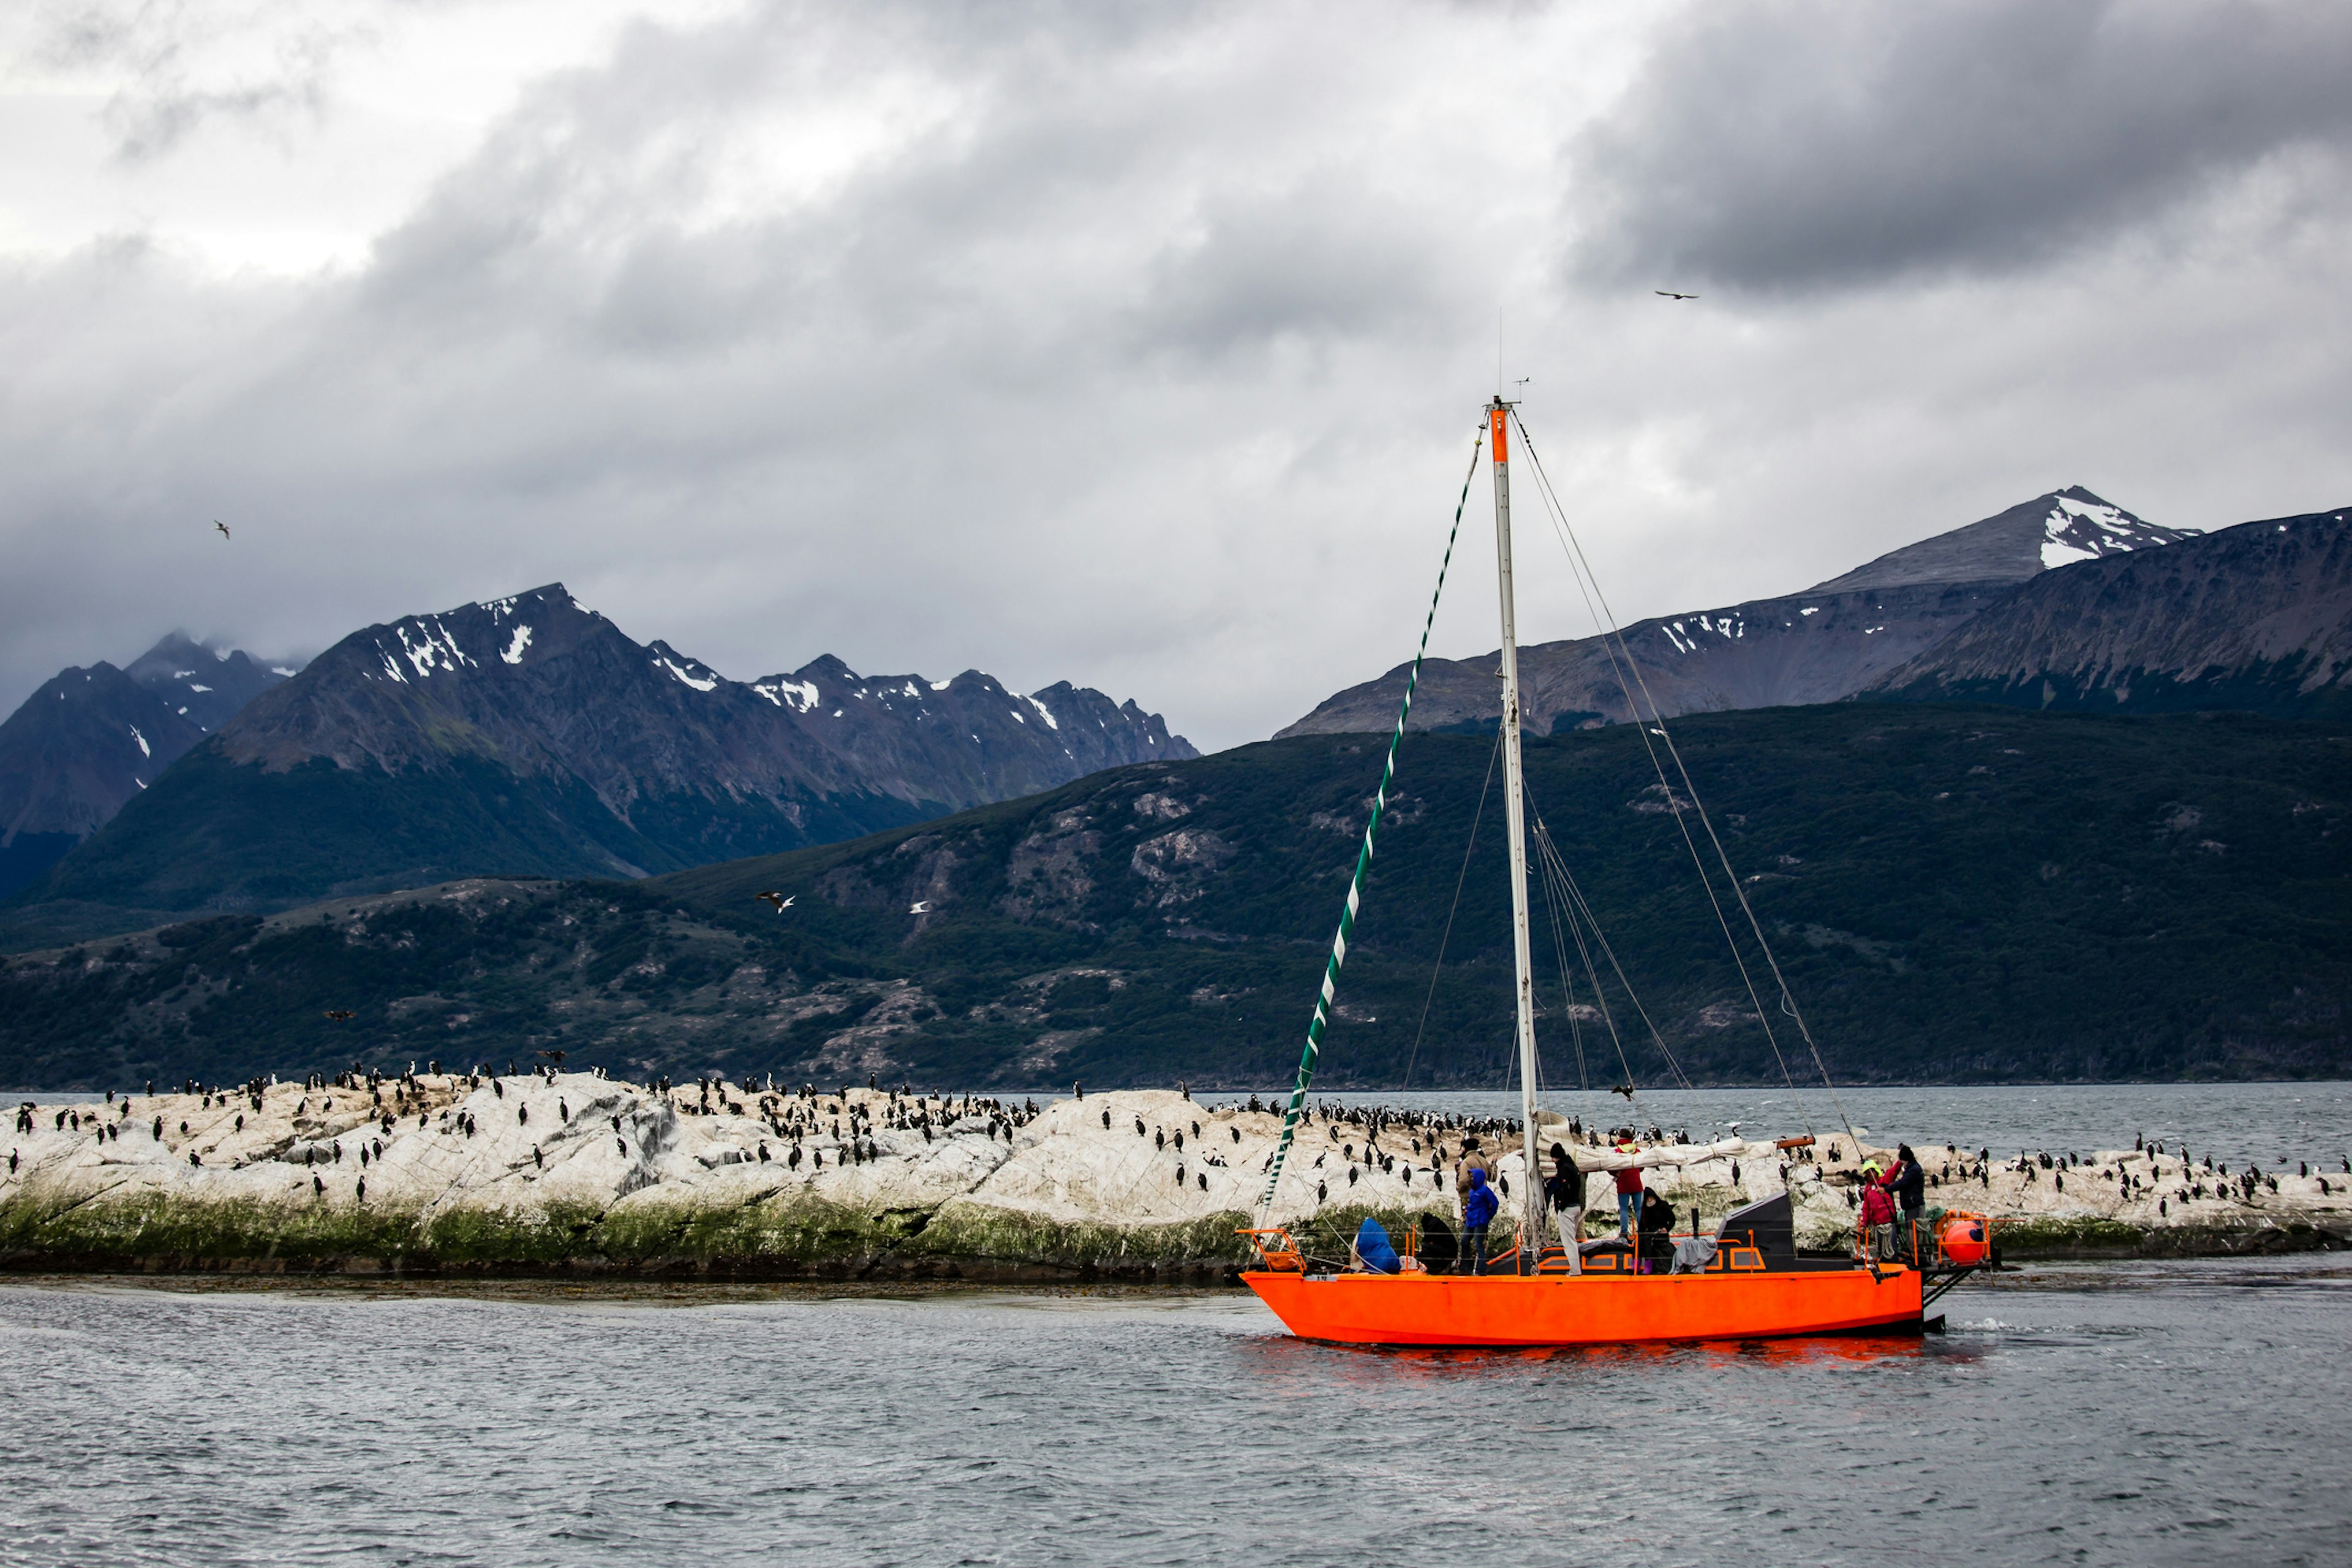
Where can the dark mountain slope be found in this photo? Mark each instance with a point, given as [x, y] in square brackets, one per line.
[92, 739]
[1814, 647]
[79, 747]
[206, 686]
[529, 735]
[1826, 643]
[1957, 893]
[2258, 617]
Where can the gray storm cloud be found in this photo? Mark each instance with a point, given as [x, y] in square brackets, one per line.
[1809, 145]
[1140, 346]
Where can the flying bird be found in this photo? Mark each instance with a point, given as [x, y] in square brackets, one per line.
[555, 1057]
[1624, 1089]
[339, 1014]
[922, 909]
[781, 903]
[1670, 294]
[222, 526]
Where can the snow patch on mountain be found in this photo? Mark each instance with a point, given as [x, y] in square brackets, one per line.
[800, 696]
[700, 680]
[431, 647]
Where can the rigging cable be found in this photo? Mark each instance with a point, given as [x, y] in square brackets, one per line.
[1599, 996]
[1567, 982]
[1673, 804]
[1656, 723]
[1559, 867]
[1322, 1015]
[1438, 968]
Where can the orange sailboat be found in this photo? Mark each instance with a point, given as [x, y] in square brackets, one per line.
[1745, 1280]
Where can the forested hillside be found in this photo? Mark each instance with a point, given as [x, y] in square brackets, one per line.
[1955, 893]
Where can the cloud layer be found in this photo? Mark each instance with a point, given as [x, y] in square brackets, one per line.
[1142, 347]
[1807, 146]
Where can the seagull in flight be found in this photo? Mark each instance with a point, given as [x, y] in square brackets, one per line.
[222, 526]
[921, 908]
[1670, 294]
[781, 903]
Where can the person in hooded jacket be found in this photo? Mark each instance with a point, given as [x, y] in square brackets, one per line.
[1908, 1184]
[1565, 1193]
[1478, 1205]
[1472, 1162]
[1878, 1217]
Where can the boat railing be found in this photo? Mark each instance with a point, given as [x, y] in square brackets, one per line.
[1282, 1250]
[1919, 1243]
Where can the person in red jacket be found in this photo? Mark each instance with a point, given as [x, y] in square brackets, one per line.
[1629, 1192]
[1878, 1217]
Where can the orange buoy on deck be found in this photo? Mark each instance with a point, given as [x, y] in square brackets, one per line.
[1966, 1239]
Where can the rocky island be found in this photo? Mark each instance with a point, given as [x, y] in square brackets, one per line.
[584, 1175]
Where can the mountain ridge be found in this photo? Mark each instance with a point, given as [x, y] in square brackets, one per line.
[528, 735]
[2256, 617]
[1829, 642]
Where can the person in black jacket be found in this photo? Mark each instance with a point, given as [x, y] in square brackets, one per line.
[1565, 1193]
[1909, 1184]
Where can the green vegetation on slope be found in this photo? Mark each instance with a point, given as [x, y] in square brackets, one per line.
[1955, 893]
[214, 834]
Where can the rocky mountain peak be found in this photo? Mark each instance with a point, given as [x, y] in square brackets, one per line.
[2052, 530]
[204, 684]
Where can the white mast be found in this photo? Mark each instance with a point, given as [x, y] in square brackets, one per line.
[1514, 816]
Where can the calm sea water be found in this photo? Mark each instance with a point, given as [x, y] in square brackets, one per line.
[2150, 1413]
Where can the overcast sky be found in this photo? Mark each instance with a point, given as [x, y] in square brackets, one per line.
[1134, 345]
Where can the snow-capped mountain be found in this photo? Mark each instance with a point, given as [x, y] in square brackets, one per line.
[529, 734]
[2036, 536]
[2255, 618]
[1829, 642]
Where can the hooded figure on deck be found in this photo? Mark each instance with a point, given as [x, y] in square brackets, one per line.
[1372, 1253]
[1478, 1205]
[1564, 1191]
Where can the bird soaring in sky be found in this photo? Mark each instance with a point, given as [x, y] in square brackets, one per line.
[1670, 294]
[222, 526]
[921, 908]
[781, 903]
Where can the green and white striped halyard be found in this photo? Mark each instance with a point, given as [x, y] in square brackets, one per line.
[1316, 1025]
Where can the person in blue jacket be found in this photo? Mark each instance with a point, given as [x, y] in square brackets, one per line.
[1371, 1252]
[1478, 1207]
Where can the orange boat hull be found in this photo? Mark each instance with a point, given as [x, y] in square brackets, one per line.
[1593, 1309]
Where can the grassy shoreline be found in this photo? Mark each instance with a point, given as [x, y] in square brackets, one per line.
[814, 1242]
